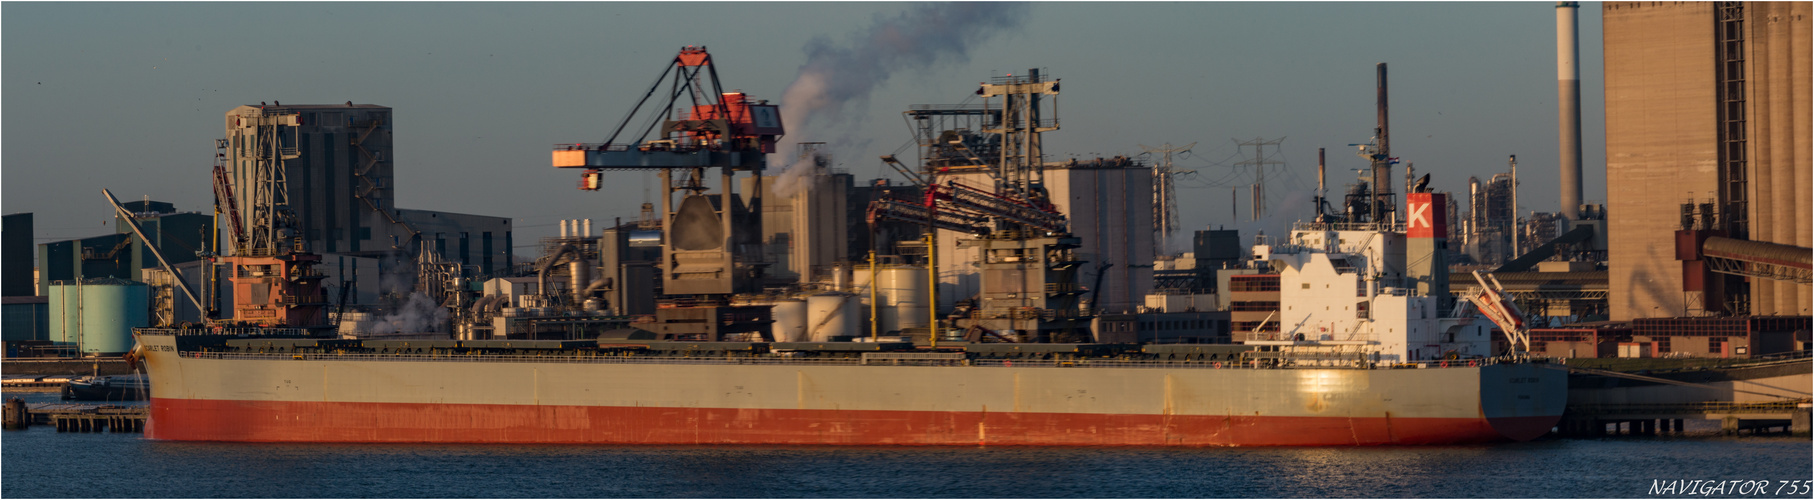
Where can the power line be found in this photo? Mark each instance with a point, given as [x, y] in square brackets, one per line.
[1165, 203]
[1259, 162]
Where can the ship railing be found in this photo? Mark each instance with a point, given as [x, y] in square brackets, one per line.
[512, 358]
[1348, 226]
[1333, 362]
[666, 360]
[246, 331]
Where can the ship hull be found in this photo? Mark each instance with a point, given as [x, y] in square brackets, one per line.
[259, 421]
[279, 399]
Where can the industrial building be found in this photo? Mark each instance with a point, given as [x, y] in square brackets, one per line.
[338, 163]
[1109, 204]
[16, 245]
[179, 235]
[1707, 104]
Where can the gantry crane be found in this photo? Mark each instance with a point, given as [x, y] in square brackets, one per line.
[710, 247]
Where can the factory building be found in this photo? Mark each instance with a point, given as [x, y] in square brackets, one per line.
[1706, 103]
[15, 246]
[805, 221]
[178, 235]
[339, 167]
[1109, 205]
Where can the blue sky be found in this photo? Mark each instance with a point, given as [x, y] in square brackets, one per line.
[129, 96]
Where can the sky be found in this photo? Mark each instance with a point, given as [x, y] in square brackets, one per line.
[130, 96]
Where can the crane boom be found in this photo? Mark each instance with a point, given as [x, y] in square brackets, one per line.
[126, 215]
[223, 193]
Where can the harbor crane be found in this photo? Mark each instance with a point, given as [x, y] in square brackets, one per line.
[710, 242]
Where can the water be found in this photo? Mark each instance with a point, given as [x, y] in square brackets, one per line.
[42, 463]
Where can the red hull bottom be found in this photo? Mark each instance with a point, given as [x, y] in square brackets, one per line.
[281, 421]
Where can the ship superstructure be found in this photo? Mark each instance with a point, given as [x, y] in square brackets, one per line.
[1358, 288]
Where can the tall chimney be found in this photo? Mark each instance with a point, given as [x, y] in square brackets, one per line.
[1321, 192]
[1382, 166]
[1568, 102]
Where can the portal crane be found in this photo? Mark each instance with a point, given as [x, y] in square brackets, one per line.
[710, 247]
[274, 280]
[223, 199]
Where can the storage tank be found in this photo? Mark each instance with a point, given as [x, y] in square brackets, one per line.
[579, 274]
[902, 291]
[832, 315]
[98, 315]
[790, 320]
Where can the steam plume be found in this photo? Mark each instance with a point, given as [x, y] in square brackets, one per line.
[419, 315]
[836, 74]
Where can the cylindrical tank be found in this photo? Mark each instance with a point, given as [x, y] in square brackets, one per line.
[511, 312]
[579, 273]
[831, 315]
[840, 277]
[98, 315]
[902, 290]
[790, 320]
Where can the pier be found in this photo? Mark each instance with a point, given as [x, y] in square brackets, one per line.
[68, 417]
[1662, 419]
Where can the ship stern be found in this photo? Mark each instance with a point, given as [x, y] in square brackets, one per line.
[1523, 401]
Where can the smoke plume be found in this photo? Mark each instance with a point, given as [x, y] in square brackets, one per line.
[1280, 217]
[798, 176]
[840, 74]
[419, 314]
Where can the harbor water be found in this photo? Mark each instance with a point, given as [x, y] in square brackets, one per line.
[41, 463]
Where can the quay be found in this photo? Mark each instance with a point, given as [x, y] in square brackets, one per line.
[1657, 419]
[67, 417]
[43, 383]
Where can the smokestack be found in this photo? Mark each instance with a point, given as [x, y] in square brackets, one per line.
[585, 230]
[1568, 102]
[1382, 166]
[1321, 190]
[563, 228]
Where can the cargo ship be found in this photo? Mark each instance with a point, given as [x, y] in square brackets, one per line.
[1359, 355]
[211, 387]
[1363, 346]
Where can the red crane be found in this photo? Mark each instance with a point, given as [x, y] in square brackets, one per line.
[223, 193]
